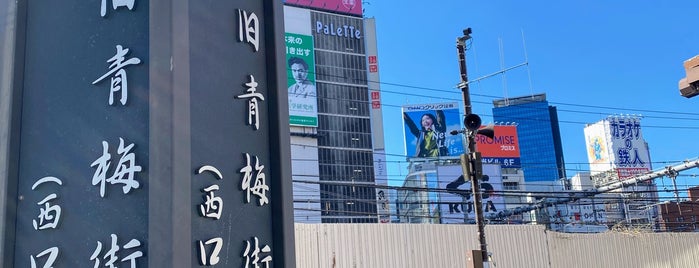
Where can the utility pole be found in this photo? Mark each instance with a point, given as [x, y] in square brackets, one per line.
[471, 160]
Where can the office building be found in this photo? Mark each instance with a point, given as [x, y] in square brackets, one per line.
[541, 152]
[333, 157]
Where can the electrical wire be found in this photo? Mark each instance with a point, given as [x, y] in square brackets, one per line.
[457, 92]
[512, 118]
[354, 185]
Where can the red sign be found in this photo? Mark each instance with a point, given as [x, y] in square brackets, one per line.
[504, 144]
[375, 95]
[376, 104]
[342, 6]
[373, 68]
[625, 173]
[372, 60]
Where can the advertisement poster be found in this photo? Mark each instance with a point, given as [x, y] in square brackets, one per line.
[456, 203]
[502, 149]
[303, 104]
[427, 127]
[597, 143]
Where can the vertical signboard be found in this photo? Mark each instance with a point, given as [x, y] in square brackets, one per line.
[456, 202]
[374, 84]
[426, 128]
[83, 166]
[232, 105]
[352, 7]
[300, 68]
[383, 208]
[631, 155]
[597, 143]
[502, 149]
[106, 131]
[303, 98]
[377, 133]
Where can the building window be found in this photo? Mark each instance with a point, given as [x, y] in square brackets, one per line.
[510, 185]
[509, 170]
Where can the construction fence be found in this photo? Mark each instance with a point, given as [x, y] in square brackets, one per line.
[442, 245]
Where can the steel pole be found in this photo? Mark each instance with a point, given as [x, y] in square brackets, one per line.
[475, 184]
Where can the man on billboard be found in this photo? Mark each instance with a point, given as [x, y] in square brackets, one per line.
[303, 87]
[431, 137]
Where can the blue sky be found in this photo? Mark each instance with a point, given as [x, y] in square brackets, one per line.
[614, 54]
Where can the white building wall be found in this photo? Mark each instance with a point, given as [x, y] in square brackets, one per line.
[383, 204]
[304, 167]
[581, 181]
[514, 199]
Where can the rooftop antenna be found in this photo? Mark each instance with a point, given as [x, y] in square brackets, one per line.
[475, 60]
[526, 61]
[502, 67]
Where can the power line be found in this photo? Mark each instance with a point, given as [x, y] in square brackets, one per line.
[503, 193]
[435, 180]
[665, 162]
[367, 102]
[456, 220]
[455, 91]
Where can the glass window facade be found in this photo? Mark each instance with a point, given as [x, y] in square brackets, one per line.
[345, 153]
[340, 68]
[342, 100]
[541, 153]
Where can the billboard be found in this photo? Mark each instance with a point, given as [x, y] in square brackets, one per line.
[617, 143]
[353, 7]
[597, 144]
[502, 149]
[629, 149]
[301, 82]
[456, 203]
[426, 127]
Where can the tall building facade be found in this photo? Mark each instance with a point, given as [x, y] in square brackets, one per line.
[541, 151]
[331, 136]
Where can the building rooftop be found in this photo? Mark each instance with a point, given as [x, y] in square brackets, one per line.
[519, 100]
